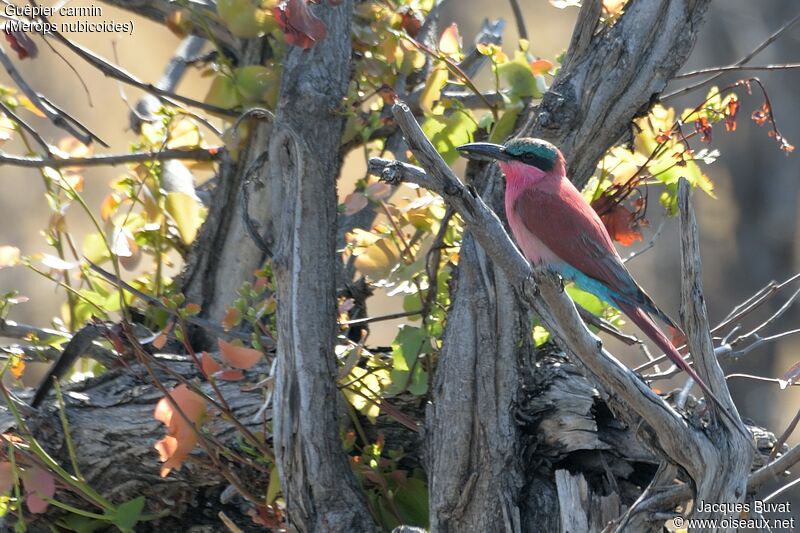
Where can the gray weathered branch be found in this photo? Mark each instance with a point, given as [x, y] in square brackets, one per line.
[610, 75]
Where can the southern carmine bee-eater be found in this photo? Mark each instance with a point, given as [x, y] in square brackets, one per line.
[556, 227]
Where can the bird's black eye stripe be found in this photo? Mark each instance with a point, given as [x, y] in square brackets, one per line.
[536, 160]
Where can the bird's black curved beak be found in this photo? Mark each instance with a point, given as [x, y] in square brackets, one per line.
[484, 151]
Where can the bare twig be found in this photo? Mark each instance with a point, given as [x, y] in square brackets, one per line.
[750, 55]
[785, 436]
[733, 68]
[381, 318]
[196, 154]
[520, 19]
[15, 330]
[739, 312]
[194, 320]
[27, 127]
[75, 129]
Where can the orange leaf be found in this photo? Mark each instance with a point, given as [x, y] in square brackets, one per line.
[231, 318]
[239, 356]
[18, 368]
[212, 368]
[181, 435]
[209, 364]
[109, 205]
[541, 66]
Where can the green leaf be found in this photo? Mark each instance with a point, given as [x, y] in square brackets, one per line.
[520, 78]
[129, 513]
[245, 18]
[81, 524]
[187, 213]
[411, 501]
[405, 350]
[95, 249]
[419, 381]
[587, 300]
[540, 336]
[447, 132]
[257, 83]
[505, 126]
[222, 92]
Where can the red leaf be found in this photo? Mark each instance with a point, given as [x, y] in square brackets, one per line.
[22, 44]
[623, 225]
[730, 114]
[703, 127]
[300, 26]
[410, 20]
[761, 115]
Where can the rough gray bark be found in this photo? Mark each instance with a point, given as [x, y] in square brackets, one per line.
[475, 477]
[320, 488]
[610, 75]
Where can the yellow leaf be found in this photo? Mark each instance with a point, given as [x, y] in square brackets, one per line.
[378, 259]
[433, 89]
[274, 486]
[187, 213]
[184, 133]
[450, 42]
[25, 102]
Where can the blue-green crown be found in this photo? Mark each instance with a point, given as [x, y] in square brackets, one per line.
[535, 152]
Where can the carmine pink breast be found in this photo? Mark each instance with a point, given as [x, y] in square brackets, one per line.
[521, 177]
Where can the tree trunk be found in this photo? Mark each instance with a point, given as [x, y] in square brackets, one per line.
[320, 488]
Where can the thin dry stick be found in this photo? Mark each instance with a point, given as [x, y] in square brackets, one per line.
[520, 20]
[732, 68]
[195, 154]
[783, 29]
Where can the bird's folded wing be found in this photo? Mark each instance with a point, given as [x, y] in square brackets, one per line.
[564, 222]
